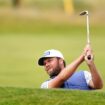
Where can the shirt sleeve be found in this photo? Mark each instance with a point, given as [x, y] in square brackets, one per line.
[44, 84]
[88, 76]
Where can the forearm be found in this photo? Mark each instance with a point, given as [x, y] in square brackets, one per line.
[66, 73]
[96, 78]
[71, 68]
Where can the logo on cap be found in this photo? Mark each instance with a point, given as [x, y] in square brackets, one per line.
[46, 53]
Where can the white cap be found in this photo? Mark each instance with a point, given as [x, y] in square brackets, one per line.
[50, 53]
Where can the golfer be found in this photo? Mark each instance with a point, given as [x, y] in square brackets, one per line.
[62, 76]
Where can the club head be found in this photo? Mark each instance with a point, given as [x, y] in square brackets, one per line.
[84, 13]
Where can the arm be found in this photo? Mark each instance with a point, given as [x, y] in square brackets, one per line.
[96, 82]
[66, 73]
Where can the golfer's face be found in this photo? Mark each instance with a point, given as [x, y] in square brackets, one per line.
[52, 66]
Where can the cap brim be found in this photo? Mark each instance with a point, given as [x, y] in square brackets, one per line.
[40, 61]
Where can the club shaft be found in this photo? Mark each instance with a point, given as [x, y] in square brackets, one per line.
[89, 57]
[88, 34]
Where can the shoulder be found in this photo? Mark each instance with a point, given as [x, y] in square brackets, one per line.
[87, 73]
[88, 76]
[45, 84]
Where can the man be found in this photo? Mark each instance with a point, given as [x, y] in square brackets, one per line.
[62, 76]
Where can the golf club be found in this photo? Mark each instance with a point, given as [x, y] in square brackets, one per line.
[88, 35]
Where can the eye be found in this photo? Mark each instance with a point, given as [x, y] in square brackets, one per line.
[49, 60]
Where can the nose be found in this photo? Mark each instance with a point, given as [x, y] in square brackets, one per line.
[46, 64]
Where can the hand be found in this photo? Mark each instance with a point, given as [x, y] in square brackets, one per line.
[88, 54]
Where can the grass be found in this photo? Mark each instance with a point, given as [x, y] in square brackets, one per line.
[27, 96]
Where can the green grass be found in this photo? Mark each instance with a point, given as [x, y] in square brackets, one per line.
[27, 96]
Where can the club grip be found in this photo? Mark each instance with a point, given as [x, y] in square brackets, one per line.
[89, 57]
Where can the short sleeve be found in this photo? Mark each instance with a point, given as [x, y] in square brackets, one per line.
[44, 84]
[88, 76]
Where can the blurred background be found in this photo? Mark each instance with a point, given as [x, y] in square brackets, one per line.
[29, 27]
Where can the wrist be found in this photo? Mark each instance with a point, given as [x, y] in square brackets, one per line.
[81, 57]
[90, 63]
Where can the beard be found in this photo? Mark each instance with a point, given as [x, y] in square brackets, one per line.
[55, 71]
